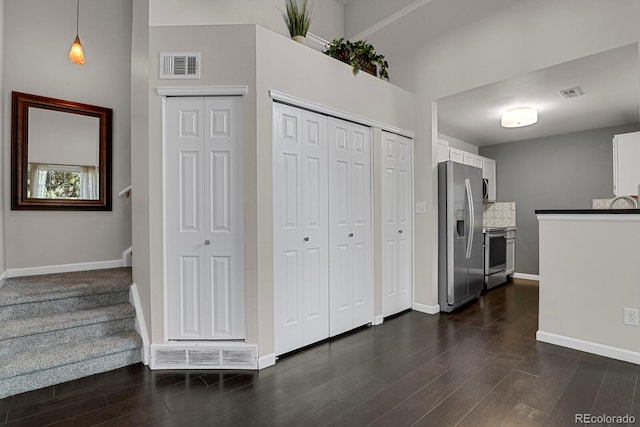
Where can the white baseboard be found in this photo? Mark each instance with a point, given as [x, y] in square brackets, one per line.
[428, 309]
[266, 360]
[526, 276]
[141, 326]
[63, 268]
[127, 257]
[378, 320]
[589, 347]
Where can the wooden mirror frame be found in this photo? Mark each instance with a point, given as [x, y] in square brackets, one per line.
[20, 103]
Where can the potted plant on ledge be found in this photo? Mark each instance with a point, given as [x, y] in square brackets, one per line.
[298, 19]
[360, 55]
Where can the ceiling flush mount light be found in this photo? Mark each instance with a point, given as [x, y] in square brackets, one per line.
[76, 54]
[519, 117]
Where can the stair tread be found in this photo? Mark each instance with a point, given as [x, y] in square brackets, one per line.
[15, 364]
[47, 287]
[54, 322]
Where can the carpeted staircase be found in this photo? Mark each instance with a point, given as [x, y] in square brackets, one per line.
[59, 327]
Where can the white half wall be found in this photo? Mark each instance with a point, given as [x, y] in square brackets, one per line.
[588, 274]
[42, 238]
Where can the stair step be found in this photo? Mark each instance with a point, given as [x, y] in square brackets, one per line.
[30, 296]
[32, 332]
[48, 287]
[30, 362]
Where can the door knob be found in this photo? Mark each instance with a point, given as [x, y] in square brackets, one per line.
[400, 231]
[306, 239]
[207, 242]
[350, 234]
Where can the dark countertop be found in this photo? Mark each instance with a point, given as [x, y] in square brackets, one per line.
[587, 211]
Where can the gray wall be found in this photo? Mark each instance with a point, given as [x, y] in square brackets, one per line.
[557, 172]
[47, 28]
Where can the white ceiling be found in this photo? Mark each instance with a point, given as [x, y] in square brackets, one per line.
[609, 79]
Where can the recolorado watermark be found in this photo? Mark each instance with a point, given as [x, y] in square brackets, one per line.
[604, 419]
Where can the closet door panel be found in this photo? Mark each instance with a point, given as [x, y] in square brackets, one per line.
[288, 228]
[300, 228]
[224, 213]
[184, 163]
[315, 238]
[397, 232]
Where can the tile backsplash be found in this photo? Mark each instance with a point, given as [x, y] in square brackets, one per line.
[499, 214]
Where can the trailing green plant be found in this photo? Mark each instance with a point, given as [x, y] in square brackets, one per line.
[297, 17]
[360, 55]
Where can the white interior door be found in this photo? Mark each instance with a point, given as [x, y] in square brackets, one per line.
[300, 228]
[350, 254]
[397, 230]
[204, 218]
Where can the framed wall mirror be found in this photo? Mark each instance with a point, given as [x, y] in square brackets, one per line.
[60, 154]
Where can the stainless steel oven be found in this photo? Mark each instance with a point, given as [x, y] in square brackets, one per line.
[495, 256]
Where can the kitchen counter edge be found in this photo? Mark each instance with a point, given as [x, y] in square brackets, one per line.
[587, 211]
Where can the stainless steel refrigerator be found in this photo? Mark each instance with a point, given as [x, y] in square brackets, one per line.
[460, 243]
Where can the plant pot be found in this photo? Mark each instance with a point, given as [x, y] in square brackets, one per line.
[299, 39]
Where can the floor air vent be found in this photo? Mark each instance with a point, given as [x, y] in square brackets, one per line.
[180, 65]
[204, 356]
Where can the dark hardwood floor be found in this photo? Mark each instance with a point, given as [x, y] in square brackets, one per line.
[480, 366]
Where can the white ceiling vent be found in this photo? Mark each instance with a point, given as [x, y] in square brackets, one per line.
[572, 92]
[180, 65]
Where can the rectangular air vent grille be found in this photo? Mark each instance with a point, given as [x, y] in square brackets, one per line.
[204, 356]
[572, 92]
[185, 65]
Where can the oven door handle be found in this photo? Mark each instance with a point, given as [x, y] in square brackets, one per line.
[472, 224]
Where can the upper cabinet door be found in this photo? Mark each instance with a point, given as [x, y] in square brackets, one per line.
[626, 173]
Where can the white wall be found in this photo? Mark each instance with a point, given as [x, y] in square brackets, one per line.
[140, 234]
[39, 238]
[327, 22]
[359, 15]
[262, 60]
[2, 152]
[523, 38]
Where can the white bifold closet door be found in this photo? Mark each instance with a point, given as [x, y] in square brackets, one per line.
[397, 230]
[300, 215]
[350, 234]
[204, 218]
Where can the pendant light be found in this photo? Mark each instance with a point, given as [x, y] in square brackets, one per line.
[76, 54]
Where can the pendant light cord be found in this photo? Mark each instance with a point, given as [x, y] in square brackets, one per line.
[77, 16]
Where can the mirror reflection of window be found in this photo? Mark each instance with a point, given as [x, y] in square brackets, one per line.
[62, 182]
[63, 155]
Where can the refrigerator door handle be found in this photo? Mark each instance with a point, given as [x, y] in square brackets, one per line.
[472, 224]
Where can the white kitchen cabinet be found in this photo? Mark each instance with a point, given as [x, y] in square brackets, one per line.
[456, 155]
[204, 218]
[350, 239]
[489, 173]
[443, 150]
[477, 161]
[397, 224]
[468, 158]
[626, 173]
[301, 231]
